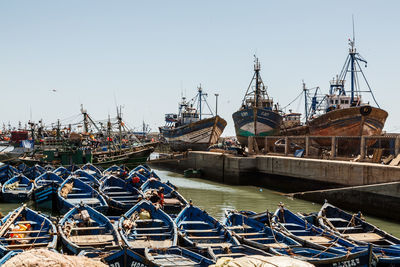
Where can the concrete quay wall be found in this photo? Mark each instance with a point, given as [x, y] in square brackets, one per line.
[264, 170]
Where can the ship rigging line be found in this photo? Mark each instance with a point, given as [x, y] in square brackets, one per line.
[297, 97]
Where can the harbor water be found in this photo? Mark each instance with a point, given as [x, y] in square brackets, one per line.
[215, 198]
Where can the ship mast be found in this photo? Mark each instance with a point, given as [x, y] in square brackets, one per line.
[258, 91]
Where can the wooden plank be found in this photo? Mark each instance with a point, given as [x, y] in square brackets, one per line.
[395, 161]
[244, 226]
[366, 237]
[201, 231]
[248, 234]
[26, 245]
[25, 238]
[277, 245]
[316, 239]
[11, 220]
[206, 237]
[152, 234]
[91, 239]
[88, 228]
[26, 232]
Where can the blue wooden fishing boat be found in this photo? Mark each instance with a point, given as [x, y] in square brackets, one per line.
[353, 227]
[72, 168]
[311, 236]
[47, 178]
[255, 233]
[73, 192]
[7, 172]
[24, 228]
[142, 169]
[49, 168]
[259, 235]
[84, 228]
[93, 170]
[33, 172]
[8, 256]
[146, 226]
[62, 172]
[176, 256]
[198, 229]
[86, 178]
[46, 186]
[117, 171]
[18, 189]
[120, 195]
[173, 201]
[122, 257]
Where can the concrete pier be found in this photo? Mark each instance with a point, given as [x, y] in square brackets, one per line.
[290, 174]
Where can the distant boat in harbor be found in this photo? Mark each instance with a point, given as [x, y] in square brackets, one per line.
[188, 129]
[257, 116]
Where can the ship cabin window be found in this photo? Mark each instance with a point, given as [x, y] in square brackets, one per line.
[346, 101]
[331, 101]
[336, 101]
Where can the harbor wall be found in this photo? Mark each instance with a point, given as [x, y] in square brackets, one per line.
[264, 169]
[353, 185]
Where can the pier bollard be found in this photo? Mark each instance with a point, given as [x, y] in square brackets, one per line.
[362, 147]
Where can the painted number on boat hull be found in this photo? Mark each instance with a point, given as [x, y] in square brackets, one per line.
[349, 263]
[133, 264]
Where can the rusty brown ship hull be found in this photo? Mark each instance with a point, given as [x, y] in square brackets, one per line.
[354, 121]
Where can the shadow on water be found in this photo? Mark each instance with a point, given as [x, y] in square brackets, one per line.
[215, 198]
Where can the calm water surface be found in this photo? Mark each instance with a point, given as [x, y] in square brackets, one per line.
[215, 198]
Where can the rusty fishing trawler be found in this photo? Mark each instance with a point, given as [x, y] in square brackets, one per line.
[188, 129]
[346, 114]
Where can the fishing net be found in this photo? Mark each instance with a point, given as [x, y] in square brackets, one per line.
[261, 261]
[67, 189]
[44, 257]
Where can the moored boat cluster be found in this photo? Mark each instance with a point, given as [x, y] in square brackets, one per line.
[134, 218]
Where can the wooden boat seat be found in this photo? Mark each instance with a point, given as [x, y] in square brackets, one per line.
[302, 231]
[365, 237]
[350, 228]
[22, 246]
[194, 222]
[26, 238]
[149, 220]
[206, 237]
[201, 231]
[150, 243]
[316, 239]
[131, 197]
[79, 194]
[231, 255]
[338, 220]
[27, 232]
[244, 226]
[113, 188]
[206, 245]
[88, 201]
[249, 234]
[87, 240]
[25, 222]
[171, 201]
[290, 224]
[153, 234]
[88, 228]
[121, 193]
[261, 238]
[277, 245]
[152, 228]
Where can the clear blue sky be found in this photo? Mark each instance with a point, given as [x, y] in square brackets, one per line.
[145, 53]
